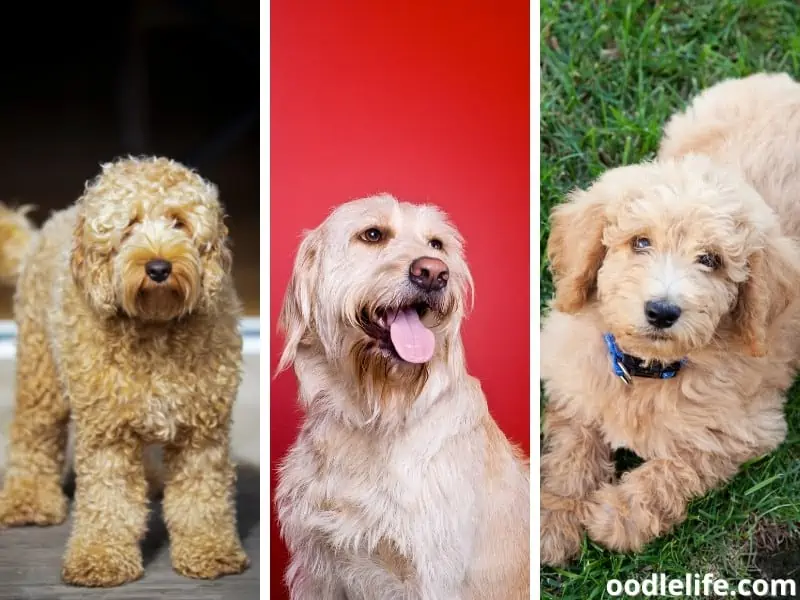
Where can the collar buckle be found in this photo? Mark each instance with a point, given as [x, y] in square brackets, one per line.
[626, 367]
[623, 373]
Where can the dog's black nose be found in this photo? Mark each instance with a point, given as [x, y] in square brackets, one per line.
[661, 314]
[429, 274]
[158, 270]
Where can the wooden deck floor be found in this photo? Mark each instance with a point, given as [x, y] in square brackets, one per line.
[30, 557]
[30, 561]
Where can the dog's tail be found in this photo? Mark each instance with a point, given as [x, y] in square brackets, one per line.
[17, 232]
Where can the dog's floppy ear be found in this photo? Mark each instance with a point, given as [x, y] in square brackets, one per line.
[217, 265]
[91, 271]
[220, 247]
[575, 248]
[297, 313]
[773, 281]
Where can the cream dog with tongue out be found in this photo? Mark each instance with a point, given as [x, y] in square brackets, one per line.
[400, 484]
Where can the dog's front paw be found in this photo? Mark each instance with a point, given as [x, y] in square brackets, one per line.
[613, 520]
[101, 565]
[560, 537]
[560, 531]
[32, 501]
[208, 558]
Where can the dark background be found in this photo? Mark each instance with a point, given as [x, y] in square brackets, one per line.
[82, 83]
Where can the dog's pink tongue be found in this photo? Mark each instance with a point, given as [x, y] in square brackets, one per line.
[412, 340]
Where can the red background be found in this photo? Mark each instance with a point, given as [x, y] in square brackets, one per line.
[428, 101]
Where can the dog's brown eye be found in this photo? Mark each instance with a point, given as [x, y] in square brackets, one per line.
[436, 244]
[640, 243]
[177, 221]
[709, 260]
[372, 235]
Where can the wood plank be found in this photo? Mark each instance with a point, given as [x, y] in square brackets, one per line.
[30, 561]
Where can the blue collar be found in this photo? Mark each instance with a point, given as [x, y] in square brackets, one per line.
[626, 367]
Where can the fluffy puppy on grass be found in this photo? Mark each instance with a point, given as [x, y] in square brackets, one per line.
[128, 325]
[400, 484]
[675, 329]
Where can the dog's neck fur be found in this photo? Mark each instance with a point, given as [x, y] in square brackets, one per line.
[142, 331]
[381, 403]
[226, 305]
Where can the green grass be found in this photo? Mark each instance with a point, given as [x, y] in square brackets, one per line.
[612, 73]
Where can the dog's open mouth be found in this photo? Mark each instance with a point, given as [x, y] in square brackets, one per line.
[401, 331]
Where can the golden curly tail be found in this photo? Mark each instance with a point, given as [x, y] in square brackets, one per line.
[16, 234]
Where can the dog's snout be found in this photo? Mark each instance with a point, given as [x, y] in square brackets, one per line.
[661, 314]
[429, 274]
[158, 270]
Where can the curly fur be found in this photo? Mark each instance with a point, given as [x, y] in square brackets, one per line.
[16, 233]
[400, 484]
[724, 182]
[131, 363]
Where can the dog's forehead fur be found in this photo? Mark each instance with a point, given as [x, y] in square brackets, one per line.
[148, 188]
[686, 206]
[404, 219]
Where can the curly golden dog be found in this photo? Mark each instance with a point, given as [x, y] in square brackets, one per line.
[128, 325]
[675, 329]
[400, 484]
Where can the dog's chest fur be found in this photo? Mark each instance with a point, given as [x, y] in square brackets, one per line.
[398, 512]
[160, 384]
[659, 418]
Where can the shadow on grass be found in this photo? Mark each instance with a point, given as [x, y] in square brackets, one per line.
[777, 556]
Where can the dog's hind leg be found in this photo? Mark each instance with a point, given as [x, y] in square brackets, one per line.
[32, 492]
